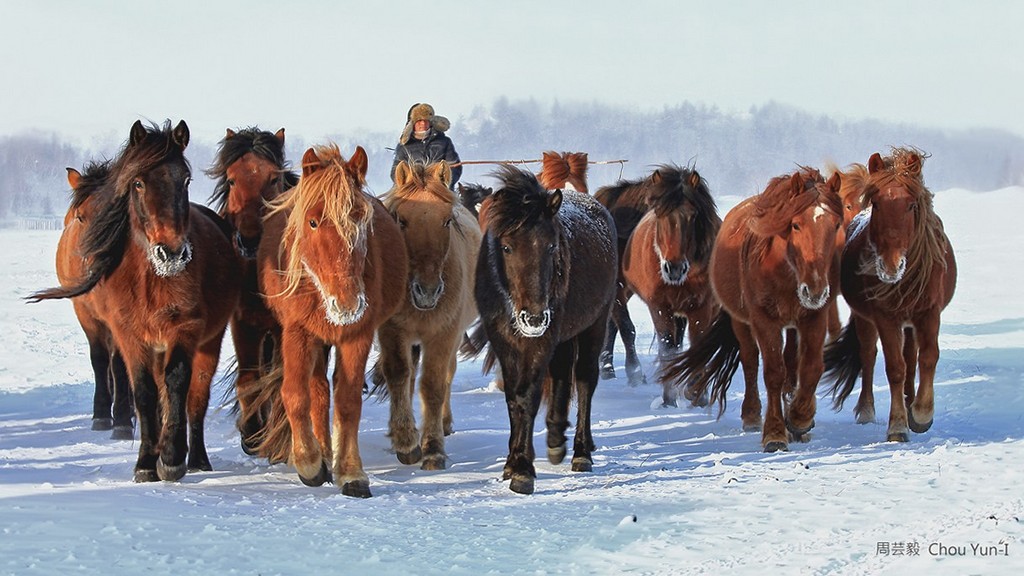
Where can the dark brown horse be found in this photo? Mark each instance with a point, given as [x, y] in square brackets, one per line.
[545, 280]
[666, 262]
[250, 171]
[775, 269]
[165, 280]
[333, 266]
[898, 274]
[442, 239]
[627, 202]
[112, 400]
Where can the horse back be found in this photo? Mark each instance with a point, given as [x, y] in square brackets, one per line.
[726, 267]
[218, 267]
[593, 262]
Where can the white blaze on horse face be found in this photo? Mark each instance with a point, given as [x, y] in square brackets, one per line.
[819, 211]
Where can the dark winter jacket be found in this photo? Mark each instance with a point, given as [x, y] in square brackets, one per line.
[434, 148]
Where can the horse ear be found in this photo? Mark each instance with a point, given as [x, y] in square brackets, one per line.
[74, 177]
[403, 173]
[694, 179]
[280, 136]
[137, 134]
[554, 202]
[875, 164]
[796, 183]
[835, 182]
[310, 162]
[914, 164]
[656, 177]
[180, 134]
[230, 134]
[442, 172]
[358, 163]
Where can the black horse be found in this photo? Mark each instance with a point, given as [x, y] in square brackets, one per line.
[545, 281]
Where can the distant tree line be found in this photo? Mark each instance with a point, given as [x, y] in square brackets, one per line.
[737, 154]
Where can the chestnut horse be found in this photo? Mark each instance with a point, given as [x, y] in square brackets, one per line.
[898, 274]
[250, 171]
[333, 267]
[112, 407]
[774, 268]
[666, 260]
[545, 279]
[165, 280]
[626, 200]
[442, 239]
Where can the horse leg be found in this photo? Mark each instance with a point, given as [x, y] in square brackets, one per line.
[102, 399]
[666, 330]
[204, 367]
[634, 372]
[560, 370]
[699, 321]
[124, 406]
[247, 344]
[435, 390]
[922, 408]
[835, 325]
[177, 375]
[395, 364]
[891, 336]
[320, 406]
[447, 421]
[790, 353]
[750, 412]
[298, 352]
[867, 334]
[350, 364]
[608, 352]
[910, 358]
[588, 345]
[769, 341]
[522, 398]
[147, 406]
[810, 365]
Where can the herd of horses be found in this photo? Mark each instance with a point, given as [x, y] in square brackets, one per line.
[298, 264]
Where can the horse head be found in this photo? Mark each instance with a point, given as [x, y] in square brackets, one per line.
[526, 238]
[892, 196]
[424, 207]
[155, 176]
[327, 230]
[685, 221]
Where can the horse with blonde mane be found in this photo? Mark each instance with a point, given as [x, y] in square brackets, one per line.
[333, 267]
[898, 274]
[442, 239]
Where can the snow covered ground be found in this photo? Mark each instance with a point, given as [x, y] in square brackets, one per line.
[673, 491]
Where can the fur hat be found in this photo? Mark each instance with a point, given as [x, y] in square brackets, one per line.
[422, 111]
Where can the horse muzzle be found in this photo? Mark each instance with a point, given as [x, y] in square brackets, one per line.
[246, 247]
[532, 325]
[167, 262]
[340, 316]
[425, 298]
[674, 273]
[811, 300]
[887, 276]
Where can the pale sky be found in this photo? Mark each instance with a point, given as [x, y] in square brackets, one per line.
[85, 69]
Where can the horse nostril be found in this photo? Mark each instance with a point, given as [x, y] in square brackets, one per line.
[161, 253]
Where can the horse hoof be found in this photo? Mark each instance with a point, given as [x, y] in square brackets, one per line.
[607, 372]
[170, 473]
[322, 476]
[557, 454]
[123, 432]
[696, 400]
[435, 462]
[670, 403]
[506, 473]
[250, 448]
[521, 484]
[752, 427]
[200, 465]
[865, 418]
[582, 464]
[449, 429]
[102, 424]
[356, 489]
[898, 437]
[776, 446]
[147, 475]
[411, 457]
[798, 432]
[917, 427]
[636, 378]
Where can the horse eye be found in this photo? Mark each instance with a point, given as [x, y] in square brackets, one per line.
[551, 248]
[912, 207]
[274, 181]
[313, 223]
[138, 185]
[796, 226]
[506, 248]
[231, 181]
[447, 223]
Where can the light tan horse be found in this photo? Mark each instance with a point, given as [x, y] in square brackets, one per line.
[442, 239]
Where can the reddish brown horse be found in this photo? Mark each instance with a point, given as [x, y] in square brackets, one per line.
[165, 280]
[666, 261]
[442, 239]
[333, 266]
[899, 273]
[774, 266]
[112, 400]
[544, 283]
[564, 171]
[250, 171]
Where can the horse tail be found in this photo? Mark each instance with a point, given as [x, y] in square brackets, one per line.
[263, 400]
[474, 342]
[380, 384]
[842, 364]
[710, 362]
[83, 287]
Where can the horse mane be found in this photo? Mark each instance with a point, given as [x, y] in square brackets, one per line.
[94, 176]
[558, 169]
[107, 234]
[675, 189]
[929, 245]
[421, 182]
[341, 196]
[609, 195]
[519, 201]
[261, 143]
[777, 205]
